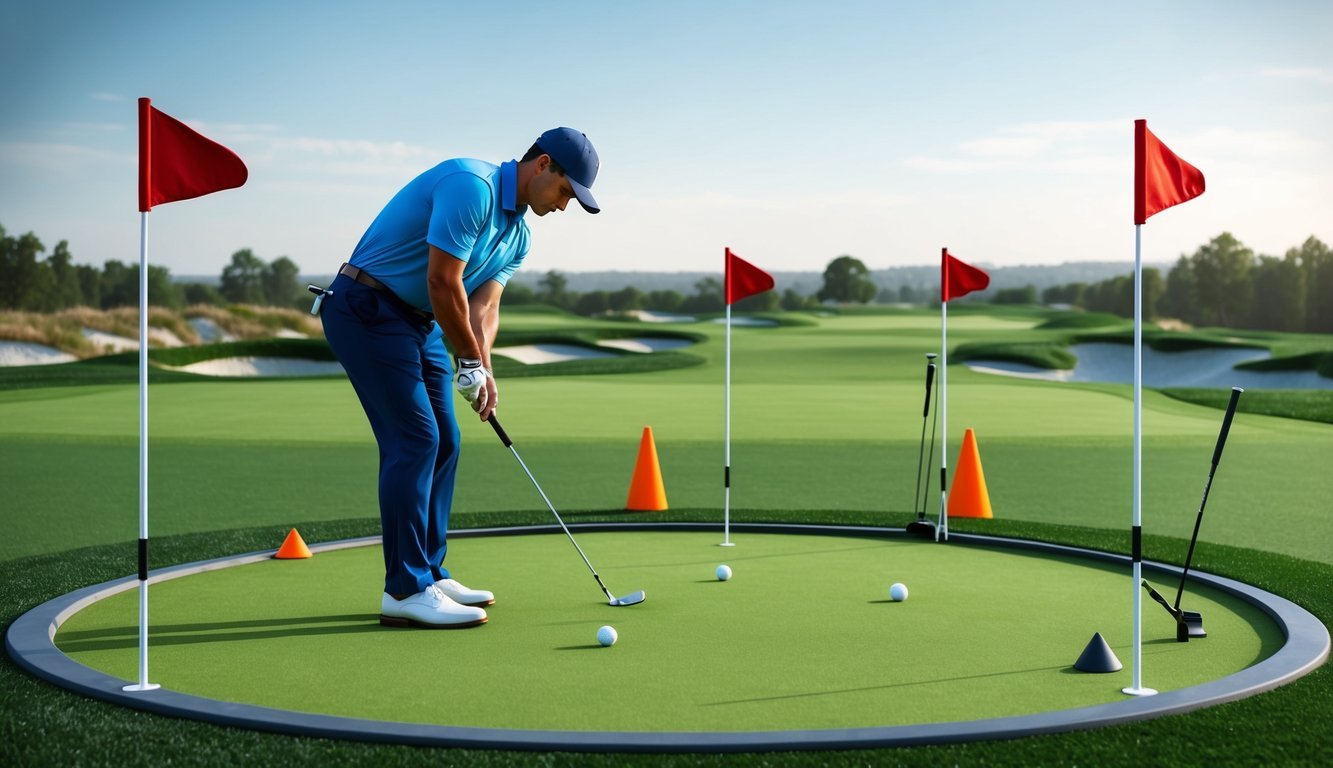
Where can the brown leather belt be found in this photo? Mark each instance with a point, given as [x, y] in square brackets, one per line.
[362, 277]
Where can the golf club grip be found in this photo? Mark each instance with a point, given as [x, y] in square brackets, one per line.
[1226, 424]
[930, 377]
[500, 431]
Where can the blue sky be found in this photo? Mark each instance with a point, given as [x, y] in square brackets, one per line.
[792, 132]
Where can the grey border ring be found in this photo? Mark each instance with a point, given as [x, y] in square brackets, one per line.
[30, 642]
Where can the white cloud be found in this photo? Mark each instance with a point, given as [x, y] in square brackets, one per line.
[55, 157]
[1315, 74]
[1059, 146]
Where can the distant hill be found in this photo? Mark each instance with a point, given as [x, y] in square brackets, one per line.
[807, 283]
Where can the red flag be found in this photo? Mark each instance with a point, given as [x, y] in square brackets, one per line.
[744, 279]
[1161, 179]
[175, 163]
[959, 279]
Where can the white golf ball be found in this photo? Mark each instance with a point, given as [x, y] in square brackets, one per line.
[723, 572]
[898, 592]
[607, 636]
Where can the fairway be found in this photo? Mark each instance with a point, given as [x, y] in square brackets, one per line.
[803, 635]
[228, 454]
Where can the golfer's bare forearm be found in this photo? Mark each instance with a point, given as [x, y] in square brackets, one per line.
[449, 302]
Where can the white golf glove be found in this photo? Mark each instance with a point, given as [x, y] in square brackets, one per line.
[470, 381]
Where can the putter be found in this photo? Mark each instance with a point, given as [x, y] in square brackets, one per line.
[1190, 623]
[634, 598]
[921, 526]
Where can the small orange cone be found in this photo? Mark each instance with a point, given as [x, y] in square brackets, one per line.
[968, 497]
[293, 548]
[646, 492]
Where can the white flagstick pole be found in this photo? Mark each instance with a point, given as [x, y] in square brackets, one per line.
[143, 684]
[943, 527]
[726, 469]
[1137, 688]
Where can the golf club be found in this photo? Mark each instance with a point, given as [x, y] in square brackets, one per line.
[1191, 620]
[633, 598]
[920, 526]
[1183, 630]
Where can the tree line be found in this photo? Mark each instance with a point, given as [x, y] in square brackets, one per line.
[49, 284]
[1223, 283]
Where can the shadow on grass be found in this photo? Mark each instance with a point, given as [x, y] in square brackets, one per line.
[125, 637]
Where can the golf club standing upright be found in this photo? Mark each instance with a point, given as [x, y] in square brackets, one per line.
[921, 526]
[630, 599]
[1190, 623]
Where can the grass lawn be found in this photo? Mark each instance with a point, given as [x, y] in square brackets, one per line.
[825, 425]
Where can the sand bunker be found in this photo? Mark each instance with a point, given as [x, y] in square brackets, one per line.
[534, 354]
[645, 344]
[27, 353]
[263, 366]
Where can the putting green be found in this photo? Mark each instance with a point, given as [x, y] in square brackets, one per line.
[802, 637]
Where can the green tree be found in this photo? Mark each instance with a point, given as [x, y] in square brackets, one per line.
[281, 284]
[626, 299]
[553, 289]
[120, 285]
[663, 301]
[243, 279]
[847, 280]
[1279, 294]
[1025, 295]
[791, 300]
[1222, 281]
[591, 303]
[1316, 262]
[28, 281]
[1179, 300]
[68, 290]
[202, 293]
[708, 297]
[90, 284]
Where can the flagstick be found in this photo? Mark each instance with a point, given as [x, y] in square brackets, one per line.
[1137, 688]
[943, 527]
[143, 684]
[726, 430]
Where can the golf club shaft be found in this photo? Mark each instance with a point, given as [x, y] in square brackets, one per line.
[504, 438]
[1217, 456]
[920, 454]
[930, 454]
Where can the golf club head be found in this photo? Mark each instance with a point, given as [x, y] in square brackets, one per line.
[1192, 623]
[633, 598]
[922, 528]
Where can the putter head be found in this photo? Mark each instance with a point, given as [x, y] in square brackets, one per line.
[922, 528]
[633, 598]
[1190, 625]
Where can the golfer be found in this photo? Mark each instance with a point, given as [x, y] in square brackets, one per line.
[432, 267]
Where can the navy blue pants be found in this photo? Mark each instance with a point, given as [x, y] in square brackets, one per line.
[400, 370]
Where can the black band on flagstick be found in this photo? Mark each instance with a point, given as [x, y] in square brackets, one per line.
[726, 476]
[944, 478]
[1137, 546]
[143, 559]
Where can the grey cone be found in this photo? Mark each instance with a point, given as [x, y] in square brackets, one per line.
[1098, 657]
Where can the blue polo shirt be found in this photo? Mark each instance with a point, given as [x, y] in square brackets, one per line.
[467, 208]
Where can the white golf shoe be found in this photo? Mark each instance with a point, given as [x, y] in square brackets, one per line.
[431, 609]
[463, 595]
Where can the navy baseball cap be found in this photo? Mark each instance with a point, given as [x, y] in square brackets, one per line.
[573, 152]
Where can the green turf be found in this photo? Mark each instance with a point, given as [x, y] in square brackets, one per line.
[803, 636]
[272, 454]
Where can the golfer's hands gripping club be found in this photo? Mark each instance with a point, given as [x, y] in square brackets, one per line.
[477, 386]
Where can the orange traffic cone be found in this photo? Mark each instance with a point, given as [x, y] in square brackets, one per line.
[646, 492]
[293, 547]
[968, 497]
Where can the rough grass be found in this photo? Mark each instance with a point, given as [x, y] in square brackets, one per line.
[44, 725]
[1051, 355]
[1307, 404]
[1081, 320]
